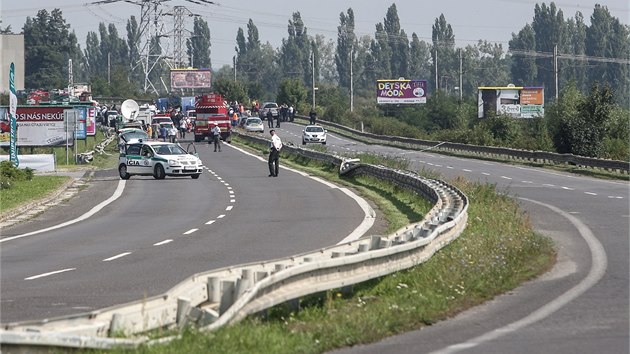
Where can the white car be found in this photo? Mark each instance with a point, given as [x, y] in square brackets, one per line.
[254, 125]
[314, 134]
[158, 159]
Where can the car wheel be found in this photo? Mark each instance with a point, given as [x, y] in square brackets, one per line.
[324, 143]
[195, 176]
[303, 142]
[158, 172]
[122, 171]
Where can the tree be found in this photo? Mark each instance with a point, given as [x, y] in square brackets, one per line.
[607, 37]
[230, 90]
[295, 51]
[133, 41]
[198, 45]
[443, 52]
[291, 92]
[549, 26]
[346, 43]
[49, 46]
[524, 70]
[398, 43]
[419, 56]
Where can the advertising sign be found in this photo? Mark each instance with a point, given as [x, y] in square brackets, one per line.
[37, 126]
[184, 79]
[517, 102]
[401, 91]
[80, 128]
[90, 123]
[13, 151]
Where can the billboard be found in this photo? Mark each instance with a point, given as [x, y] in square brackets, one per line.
[90, 124]
[37, 126]
[190, 78]
[515, 101]
[401, 91]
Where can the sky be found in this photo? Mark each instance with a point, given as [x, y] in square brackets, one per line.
[490, 20]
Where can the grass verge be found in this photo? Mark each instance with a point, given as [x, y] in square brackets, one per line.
[24, 192]
[497, 252]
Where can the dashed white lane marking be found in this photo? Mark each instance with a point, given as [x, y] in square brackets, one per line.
[163, 242]
[485, 173]
[189, 231]
[229, 187]
[116, 256]
[614, 197]
[567, 188]
[528, 182]
[221, 216]
[229, 207]
[590, 193]
[505, 177]
[449, 167]
[548, 185]
[210, 222]
[466, 170]
[231, 192]
[50, 273]
[232, 200]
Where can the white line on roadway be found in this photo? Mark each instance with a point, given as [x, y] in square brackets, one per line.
[189, 231]
[116, 256]
[485, 173]
[567, 188]
[163, 242]
[94, 210]
[599, 262]
[466, 170]
[210, 222]
[232, 200]
[49, 273]
[590, 193]
[229, 207]
[221, 216]
[505, 177]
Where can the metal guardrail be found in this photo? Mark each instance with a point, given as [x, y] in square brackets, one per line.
[215, 298]
[488, 151]
[88, 156]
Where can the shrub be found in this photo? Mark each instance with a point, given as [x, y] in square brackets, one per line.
[9, 174]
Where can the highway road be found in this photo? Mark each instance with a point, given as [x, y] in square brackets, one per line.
[154, 233]
[581, 306]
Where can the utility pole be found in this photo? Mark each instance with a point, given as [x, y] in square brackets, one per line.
[460, 75]
[109, 68]
[234, 61]
[555, 68]
[313, 76]
[437, 84]
[351, 86]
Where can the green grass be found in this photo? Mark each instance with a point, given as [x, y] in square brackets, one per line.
[24, 192]
[497, 251]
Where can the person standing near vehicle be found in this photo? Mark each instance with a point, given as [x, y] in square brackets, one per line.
[291, 116]
[312, 117]
[274, 154]
[270, 119]
[172, 134]
[216, 137]
[163, 132]
[183, 127]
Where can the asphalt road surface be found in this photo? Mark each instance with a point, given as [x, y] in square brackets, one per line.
[155, 233]
[581, 306]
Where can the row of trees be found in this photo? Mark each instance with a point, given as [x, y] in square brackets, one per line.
[286, 74]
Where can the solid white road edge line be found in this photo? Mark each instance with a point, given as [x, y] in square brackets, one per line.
[49, 273]
[599, 262]
[117, 193]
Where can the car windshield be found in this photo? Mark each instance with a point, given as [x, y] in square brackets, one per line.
[168, 149]
[315, 129]
[137, 134]
[271, 105]
[254, 121]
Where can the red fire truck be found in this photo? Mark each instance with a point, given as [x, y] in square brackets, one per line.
[211, 110]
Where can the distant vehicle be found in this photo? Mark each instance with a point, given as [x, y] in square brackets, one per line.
[131, 135]
[254, 125]
[211, 109]
[158, 159]
[314, 134]
[5, 126]
[269, 106]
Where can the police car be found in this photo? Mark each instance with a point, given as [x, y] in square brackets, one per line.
[158, 159]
